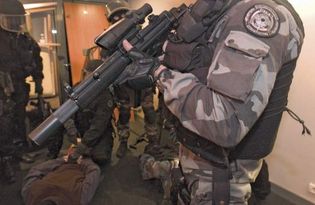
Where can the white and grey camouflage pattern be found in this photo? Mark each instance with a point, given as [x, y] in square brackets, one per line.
[239, 82]
[240, 78]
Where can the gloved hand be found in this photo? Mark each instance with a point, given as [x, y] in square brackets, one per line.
[73, 158]
[140, 73]
[38, 87]
[75, 153]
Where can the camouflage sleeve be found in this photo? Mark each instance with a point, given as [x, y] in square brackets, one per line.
[241, 76]
[101, 118]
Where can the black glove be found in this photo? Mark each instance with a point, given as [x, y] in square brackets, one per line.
[140, 73]
[38, 87]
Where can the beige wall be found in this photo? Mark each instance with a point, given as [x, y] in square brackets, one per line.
[159, 5]
[292, 163]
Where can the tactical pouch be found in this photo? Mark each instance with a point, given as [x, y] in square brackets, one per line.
[189, 29]
[236, 65]
[185, 57]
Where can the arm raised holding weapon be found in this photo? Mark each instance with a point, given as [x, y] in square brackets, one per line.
[142, 39]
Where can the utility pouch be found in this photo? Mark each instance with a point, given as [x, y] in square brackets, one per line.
[185, 57]
[189, 29]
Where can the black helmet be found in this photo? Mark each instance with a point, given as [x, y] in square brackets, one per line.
[12, 16]
[11, 7]
[115, 10]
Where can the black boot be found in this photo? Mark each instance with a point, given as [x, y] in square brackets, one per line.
[8, 170]
[122, 149]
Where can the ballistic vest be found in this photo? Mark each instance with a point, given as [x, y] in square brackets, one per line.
[260, 140]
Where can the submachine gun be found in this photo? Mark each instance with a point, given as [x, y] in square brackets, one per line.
[129, 28]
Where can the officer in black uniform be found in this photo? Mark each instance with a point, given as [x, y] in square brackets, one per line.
[93, 125]
[19, 58]
[125, 94]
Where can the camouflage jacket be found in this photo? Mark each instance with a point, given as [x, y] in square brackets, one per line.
[248, 55]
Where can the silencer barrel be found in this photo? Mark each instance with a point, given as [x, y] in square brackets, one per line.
[53, 122]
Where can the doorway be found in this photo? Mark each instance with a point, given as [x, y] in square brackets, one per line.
[84, 22]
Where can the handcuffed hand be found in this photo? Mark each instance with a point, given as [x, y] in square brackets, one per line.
[140, 73]
[73, 139]
[73, 156]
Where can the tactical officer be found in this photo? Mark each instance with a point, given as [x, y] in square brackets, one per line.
[19, 58]
[146, 102]
[226, 75]
[115, 11]
[93, 125]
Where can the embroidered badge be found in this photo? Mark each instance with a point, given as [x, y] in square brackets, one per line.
[262, 21]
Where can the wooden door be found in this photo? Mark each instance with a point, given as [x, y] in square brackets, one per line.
[83, 23]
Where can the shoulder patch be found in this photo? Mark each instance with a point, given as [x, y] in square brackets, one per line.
[262, 20]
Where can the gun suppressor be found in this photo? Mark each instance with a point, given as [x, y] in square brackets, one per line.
[53, 122]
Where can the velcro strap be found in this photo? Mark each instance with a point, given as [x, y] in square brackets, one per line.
[221, 186]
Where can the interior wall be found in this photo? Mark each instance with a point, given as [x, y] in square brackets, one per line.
[83, 23]
[159, 5]
[292, 162]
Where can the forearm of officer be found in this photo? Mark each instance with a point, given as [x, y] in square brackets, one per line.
[200, 109]
[72, 131]
[97, 128]
[37, 72]
[99, 122]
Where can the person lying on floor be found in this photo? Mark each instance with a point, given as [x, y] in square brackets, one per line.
[62, 181]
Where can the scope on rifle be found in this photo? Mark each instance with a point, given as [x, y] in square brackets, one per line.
[110, 38]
